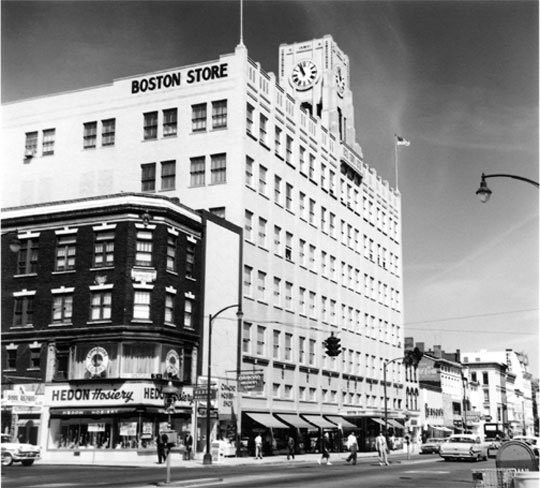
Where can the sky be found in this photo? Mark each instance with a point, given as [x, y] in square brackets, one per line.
[458, 79]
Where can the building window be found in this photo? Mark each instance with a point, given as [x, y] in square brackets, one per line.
[62, 308]
[150, 125]
[262, 180]
[148, 177]
[288, 246]
[288, 295]
[103, 249]
[219, 114]
[100, 306]
[108, 131]
[190, 260]
[288, 347]
[35, 357]
[248, 225]
[262, 232]
[263, 122]
[289, 197]
[249, 171]
[31, 144]
[277, 240]
[218, 169]
[170, 122]
[188, 313]
[198, 117]
[65, 253]
[248, 281]
[311, 358]
[11, 359]
[301, 350]
[168, 175]
[261, 286]
[24, 311]
[277, 291]
[277, 338]
[288, 149]
[143, 255]
[246, 338]
[48, 141]
[485, 378]
[197, 171]
[171, 253]
[141, 305]
[249, 118]
[277, 140]
[261, 332]
[89, 135]
[27, 256]
[169, 308]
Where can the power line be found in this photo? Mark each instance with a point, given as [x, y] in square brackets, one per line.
[463, 317]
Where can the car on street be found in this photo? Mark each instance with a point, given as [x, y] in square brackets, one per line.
[464, 446]
[18, 452]
[432, 445]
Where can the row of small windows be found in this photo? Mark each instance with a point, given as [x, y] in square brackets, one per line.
[103, 256]
[34, 360]
[198, 172]
[349, 195]
[307, 305]
[100, 307]
[169, 118]
[284, 196]
[308, 352]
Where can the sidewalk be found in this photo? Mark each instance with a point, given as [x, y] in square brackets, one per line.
[178, 462]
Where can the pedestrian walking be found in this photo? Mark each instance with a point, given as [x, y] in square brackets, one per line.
[325, 448]
[160, 449]
[352, 445]
[189, 446]
[258, 447]
[290, 447]
[382, 449]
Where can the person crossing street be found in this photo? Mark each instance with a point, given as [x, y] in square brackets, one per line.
[352, 446]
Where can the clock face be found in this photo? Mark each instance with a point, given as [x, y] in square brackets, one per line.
[340, 80]
[304, 75]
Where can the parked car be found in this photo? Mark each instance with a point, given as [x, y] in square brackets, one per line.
[432, 445]
[464, 446]
[493, 446]
[18, 452]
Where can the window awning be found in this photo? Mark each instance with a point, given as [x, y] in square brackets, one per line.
[295, 420]
[379, 421]
[395, 423]
[440, 427]
[320, 421]
[267, 420]
[344, 424]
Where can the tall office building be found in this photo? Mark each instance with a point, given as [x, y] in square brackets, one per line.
[278, 157]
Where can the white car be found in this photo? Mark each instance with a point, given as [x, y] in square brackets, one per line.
[533, 442]
[18, 452]
[464, 446]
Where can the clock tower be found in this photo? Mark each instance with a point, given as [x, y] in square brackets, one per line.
[317, 73]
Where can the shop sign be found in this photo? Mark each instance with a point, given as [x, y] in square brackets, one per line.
[200, 392]
[13, 397]
[128, 428]
[143, 275]
[473, 416]
[227, 396]
[104, 395]
[433, 412]
[96, 427]
[250, 382]
[178, 78]
[201, 412]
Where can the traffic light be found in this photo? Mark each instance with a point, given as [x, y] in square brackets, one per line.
[333, 345]
[412, 357]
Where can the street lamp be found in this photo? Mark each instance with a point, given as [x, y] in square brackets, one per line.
[484, 192]
[207, 458]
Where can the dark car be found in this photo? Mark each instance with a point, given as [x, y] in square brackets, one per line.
[432, 445]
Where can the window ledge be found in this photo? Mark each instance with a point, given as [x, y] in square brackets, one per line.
[24, 275]
[62, 324]
[27, 326]
[141, 321]
[67, 271]
[97, 322]
[101, 268]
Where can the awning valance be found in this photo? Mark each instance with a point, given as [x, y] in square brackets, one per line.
[379, 421]
[320, 421]
[344, 424]
[395, 423]
[295, 420]
[440, 427]
[267, 420]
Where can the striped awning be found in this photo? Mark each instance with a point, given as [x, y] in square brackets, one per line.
[344, 424]
[268, 420]
[320, 421]
[295, 420]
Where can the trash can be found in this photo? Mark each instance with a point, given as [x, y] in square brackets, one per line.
[527, 479]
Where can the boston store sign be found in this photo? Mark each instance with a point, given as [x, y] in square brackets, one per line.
[111, 394]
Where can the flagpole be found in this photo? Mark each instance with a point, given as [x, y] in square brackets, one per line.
[241, 23]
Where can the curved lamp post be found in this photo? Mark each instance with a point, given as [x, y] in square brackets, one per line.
[207, 458]
[484, 192]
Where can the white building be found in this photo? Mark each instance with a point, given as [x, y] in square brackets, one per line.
[322, 232]
[507, 387]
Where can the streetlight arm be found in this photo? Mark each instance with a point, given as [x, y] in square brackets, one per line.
[515, 177]
[226, 308]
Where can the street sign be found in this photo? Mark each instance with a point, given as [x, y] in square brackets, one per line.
[200, 392]
[250, 382]
[201, 412]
